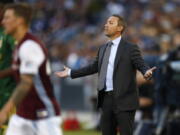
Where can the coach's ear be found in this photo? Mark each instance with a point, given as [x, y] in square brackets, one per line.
[120, 28]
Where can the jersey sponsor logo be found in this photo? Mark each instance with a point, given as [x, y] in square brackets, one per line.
[43, 113]
[29, 64]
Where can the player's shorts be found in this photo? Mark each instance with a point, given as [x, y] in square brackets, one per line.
[48, 126]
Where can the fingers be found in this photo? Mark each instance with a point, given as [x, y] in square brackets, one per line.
[154, 68]
[63, 73]
[57, 73]
[148, 75]
[60, 74]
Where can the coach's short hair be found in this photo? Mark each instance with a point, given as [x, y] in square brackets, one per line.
[121, 21]
[23, 10]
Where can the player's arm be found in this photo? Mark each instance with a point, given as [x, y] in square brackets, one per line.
[19, 93]
[5, 73]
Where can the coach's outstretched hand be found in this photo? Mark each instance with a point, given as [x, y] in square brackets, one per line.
[63, 73]
[148, 74]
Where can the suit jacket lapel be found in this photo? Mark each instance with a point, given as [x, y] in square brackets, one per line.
[119, 52]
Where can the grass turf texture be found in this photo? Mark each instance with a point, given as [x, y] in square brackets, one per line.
[82, 132]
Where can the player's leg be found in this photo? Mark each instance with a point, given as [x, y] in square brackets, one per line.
[49, 126]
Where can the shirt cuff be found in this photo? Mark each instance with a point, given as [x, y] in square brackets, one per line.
[69, 72]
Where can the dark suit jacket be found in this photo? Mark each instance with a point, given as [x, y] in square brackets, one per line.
[128, 60]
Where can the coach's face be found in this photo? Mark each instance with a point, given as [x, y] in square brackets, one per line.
[112, 27]
[10, 21]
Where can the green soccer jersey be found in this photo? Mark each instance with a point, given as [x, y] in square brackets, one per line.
[7, 84]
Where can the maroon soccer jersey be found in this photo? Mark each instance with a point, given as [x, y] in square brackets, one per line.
[31, 57]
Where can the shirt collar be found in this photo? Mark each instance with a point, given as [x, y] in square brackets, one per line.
[116, 41]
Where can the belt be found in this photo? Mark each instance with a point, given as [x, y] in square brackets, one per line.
[109, 93]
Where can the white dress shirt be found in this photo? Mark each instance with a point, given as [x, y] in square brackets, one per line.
[110, 68]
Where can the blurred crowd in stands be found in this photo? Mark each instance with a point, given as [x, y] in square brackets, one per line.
[73, 30]
[75, 26]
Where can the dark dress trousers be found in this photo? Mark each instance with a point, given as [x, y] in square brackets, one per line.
[118, 108]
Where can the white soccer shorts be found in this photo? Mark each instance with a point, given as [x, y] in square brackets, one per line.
[48, 126]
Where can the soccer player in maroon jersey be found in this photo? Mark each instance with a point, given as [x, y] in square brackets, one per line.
[37, 109]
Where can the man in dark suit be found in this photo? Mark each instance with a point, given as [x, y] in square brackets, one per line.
[116, 63]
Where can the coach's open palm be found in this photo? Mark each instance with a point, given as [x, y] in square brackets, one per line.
[63, 73]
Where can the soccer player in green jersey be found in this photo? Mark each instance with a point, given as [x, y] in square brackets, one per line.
[7, 82]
